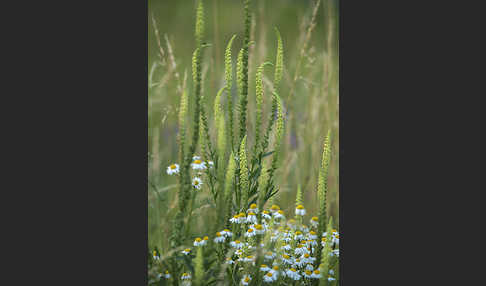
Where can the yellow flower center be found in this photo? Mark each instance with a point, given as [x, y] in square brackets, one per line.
[269, 253]
[250, 230]
[266, 212]
[258, 226]
[206, 238]
[275, 267]
[253, 206]
[218, 234]
[286, 256]
[197, 162]
[242, 215]
[306, 255]
[292, 269]
[298, 233]
[227, 230]
[317, 271]
[166, 271]
[337, 235]
[198, 239]
[334, 230]
[251, 214]
[300, 207]
[187, 250]
[173, 166]
[269, 274]
[155, 253]
[275, 207]
[324, 239]
[237, 241]
[247, 279]
[314, 218]
[308, 272]
[312, 232]
[280, 212]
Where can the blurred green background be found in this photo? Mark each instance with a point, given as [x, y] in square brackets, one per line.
[312, 109]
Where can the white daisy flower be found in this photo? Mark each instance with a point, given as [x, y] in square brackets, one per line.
[251, 232]
[275, 272]
[279, 214]
[298, 235]
[312, 242]
[242, 217]
[197, 164]
[236, 244]
[323, 241]
[199, 242]
[300, 210]
[269, 277]
[300, 249]
[167, 274]
[265, 268]
[293, 273]
[211, 164]
[270, 255]
[229, 261]
[253, 208]
[335, 239]
[185, 276]
[274, 208]
[266, 215]
[251, 218]
[235, 219]
[334, 252]
[186, 251]
[312, 235]
[197, 183]
[194, 158]
[316, 274]
[309, 267]
[219, 238]
[314, 221]
[307, 273]
[329, 278]
[306, 258]
[246, 280]
[173, 169]
[186, 279]
[286, 246]
[226, 233]
[298, 262]
[287, 259]
[155, 255]
[304, 228]
[259, 229]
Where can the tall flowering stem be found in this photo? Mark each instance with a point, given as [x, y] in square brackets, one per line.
[322, 188]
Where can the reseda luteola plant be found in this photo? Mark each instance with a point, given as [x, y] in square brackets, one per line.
[252, 241]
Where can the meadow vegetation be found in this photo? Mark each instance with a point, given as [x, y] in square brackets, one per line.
[243, 162]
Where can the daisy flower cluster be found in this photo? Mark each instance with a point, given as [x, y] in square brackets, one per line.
[291, 247]
[197, 165]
